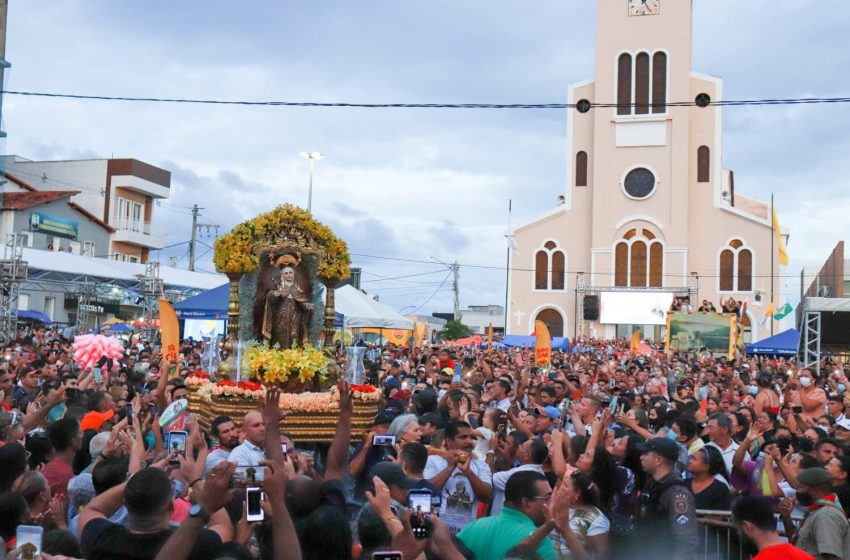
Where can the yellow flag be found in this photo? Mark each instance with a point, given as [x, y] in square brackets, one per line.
[170, 329]
[770, 309]
[777, 231]
[543, 347]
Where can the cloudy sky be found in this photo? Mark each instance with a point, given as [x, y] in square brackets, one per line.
[410, 183]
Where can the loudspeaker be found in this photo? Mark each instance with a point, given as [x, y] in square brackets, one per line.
[591, 308]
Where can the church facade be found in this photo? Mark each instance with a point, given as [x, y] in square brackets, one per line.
[649, 215]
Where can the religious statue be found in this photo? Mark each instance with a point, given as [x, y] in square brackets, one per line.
[288, 310]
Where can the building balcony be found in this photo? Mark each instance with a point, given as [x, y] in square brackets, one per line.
[138, 232]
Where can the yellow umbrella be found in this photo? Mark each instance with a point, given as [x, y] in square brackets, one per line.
[112, 321]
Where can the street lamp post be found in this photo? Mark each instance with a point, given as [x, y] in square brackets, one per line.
[312, 156]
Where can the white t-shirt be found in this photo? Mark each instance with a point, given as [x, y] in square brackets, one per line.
[729, 454]
[500, 480]
[460, 506]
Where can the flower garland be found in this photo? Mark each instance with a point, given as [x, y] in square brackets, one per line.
[272, 365]
[364, 393]
[197, 379]
[228, 388]
[234, 255]
[327, 401]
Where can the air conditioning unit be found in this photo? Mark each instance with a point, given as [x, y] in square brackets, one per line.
[823, 291]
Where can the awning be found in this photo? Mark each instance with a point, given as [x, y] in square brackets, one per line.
[34, 316]
[784, 343]
[361, 311]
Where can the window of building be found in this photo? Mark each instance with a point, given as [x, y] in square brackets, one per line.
[129, 215]
[581, 169]
[642, 83]
[736, 268]
[550, 268]
[639, 260]
[659, 82]
[703, 164]
[89, 249]
[624, 84]
[24, 301]
[553, 321]
[133, 259]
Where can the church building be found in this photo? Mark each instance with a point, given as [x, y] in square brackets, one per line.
[649, 214]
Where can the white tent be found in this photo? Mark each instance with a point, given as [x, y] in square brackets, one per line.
[361, 311]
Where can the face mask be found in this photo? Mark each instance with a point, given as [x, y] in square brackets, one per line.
[805, 499]
[842, 387]
[753, 390]
[805, 381]
[671, 435]
[56, 413]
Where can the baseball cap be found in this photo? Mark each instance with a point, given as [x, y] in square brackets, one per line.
[392, 382]
[392, 475]
[814, 476]
[432, 418]
[93, 420]
[844, 423]
[661, 445]
[447, 371]
[383, 418]
[425, 398]
[549, 411]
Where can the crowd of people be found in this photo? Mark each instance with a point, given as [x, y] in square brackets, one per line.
[601, 454]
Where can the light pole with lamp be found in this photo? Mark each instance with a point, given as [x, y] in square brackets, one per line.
[455, 268]
[312, 156]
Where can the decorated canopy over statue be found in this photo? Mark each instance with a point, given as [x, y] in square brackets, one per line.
[283, 266]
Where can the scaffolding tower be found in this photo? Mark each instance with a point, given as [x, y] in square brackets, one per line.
[13, 271]
[85, 296]
[151, 291]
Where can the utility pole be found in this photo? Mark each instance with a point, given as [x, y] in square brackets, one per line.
[4, 10]
[195, 227]
[456, 274]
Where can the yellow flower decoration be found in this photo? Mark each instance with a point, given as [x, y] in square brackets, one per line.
[278, 365]
[233, 252]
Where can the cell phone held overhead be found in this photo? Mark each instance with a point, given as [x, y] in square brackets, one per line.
[383, 440]
[175, 442]
[254, 504]
[420, 512]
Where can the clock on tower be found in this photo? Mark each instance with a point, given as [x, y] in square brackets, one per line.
[644, 7]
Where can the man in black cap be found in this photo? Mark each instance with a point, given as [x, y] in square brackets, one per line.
[668, 516]
[825, 532]
[368, 455]
[393, 476]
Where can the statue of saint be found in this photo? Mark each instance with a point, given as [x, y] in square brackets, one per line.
[288, 309]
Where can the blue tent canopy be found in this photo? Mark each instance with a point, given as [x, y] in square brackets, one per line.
[784, 343]
[212, 304]
[558, 342]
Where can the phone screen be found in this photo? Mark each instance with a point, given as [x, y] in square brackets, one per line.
[98, 377]
[28, 539]
[420, 512]
[387, 555]
[254, 497]
[176, 442]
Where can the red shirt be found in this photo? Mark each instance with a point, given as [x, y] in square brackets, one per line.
[782, 552]
[58, 473]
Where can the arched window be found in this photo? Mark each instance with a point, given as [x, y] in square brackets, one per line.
[659, 82]
[639, 260]
[736, 268]
[703, 164]
[581, 169]
[624, 84]
[550, 267]
[541, 270]
[642, 84]
[553, 320]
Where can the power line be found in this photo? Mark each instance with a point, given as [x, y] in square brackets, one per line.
[432, 295]
[728, 103]
[380, 278]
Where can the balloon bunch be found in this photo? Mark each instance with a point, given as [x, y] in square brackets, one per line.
[91, 348]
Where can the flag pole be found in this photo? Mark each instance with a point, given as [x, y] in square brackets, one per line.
[772, 256]
[508, 266]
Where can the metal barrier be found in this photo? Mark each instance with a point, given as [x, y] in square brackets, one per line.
[718, 536]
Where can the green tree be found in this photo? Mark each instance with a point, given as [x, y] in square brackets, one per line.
[454, 330]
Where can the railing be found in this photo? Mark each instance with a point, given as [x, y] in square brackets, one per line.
[718, 536]
[137, 226]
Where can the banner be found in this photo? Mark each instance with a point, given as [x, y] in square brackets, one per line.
[170, 330]
[60, 227]
[543, 347]
[692, 332]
